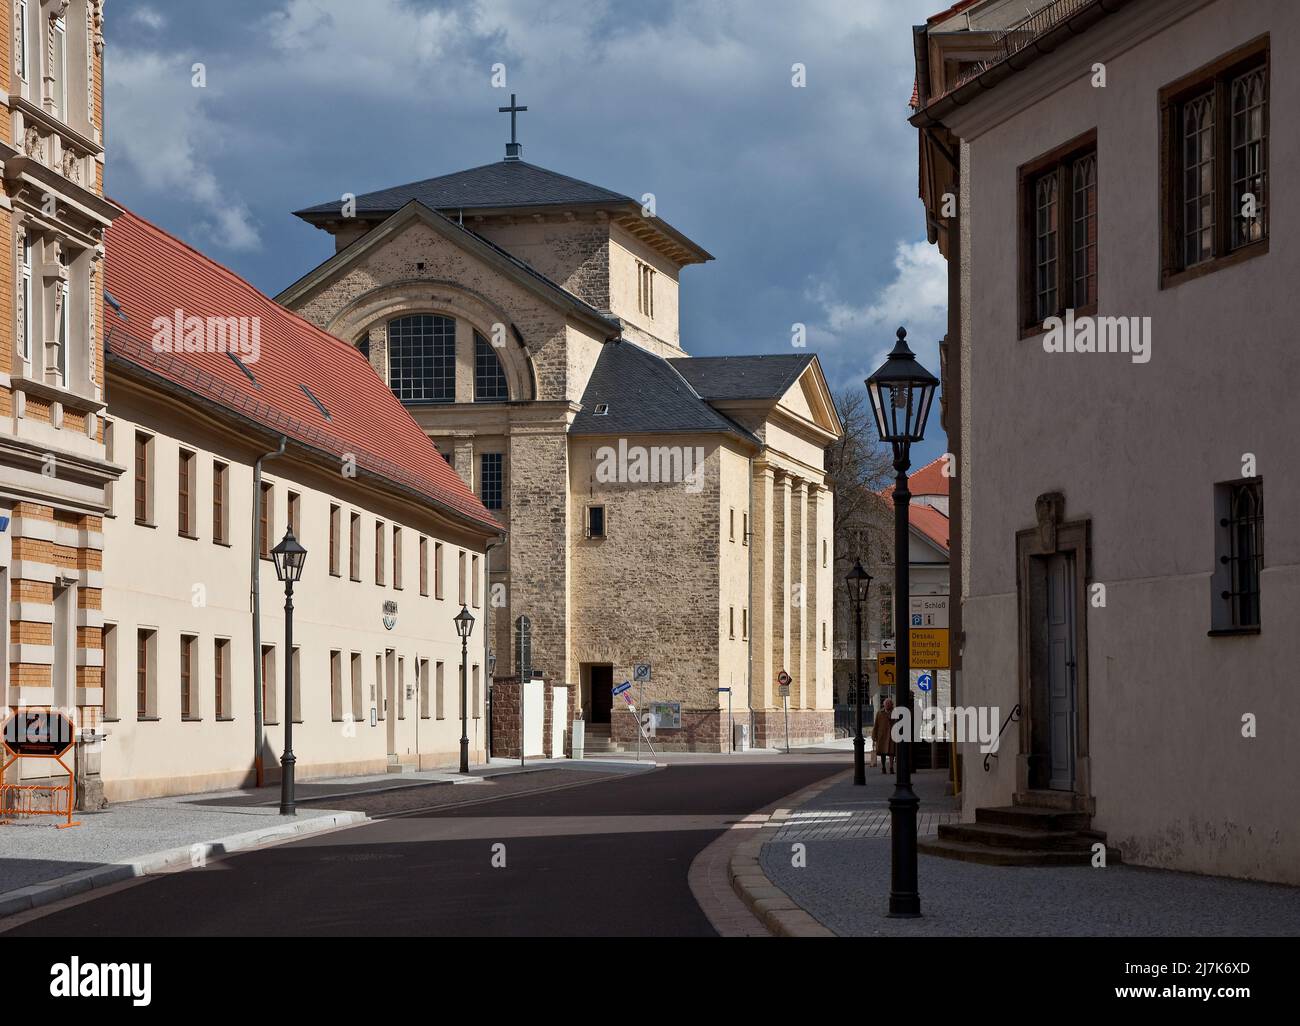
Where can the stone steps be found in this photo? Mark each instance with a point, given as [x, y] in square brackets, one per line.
[1021, 835]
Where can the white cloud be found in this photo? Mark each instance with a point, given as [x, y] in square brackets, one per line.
[160, 128]
[916, 298]
[147, 17]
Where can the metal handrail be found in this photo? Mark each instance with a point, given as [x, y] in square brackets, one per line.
[1018, 36]
[1013, 715]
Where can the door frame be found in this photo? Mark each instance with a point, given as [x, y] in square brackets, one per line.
[1053, 535]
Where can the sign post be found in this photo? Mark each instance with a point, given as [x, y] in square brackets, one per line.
[783, 681]
[623, 689]
[37, 734]
[928, 645]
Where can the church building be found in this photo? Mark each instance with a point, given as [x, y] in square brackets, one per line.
[663, 510]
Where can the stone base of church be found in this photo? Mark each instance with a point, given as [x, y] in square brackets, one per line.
[706, 730]
[807, 727]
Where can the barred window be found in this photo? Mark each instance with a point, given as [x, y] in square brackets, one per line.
[490, 479]
[1215, 139]
[1240, 549]
[422, 358]
[489, 378]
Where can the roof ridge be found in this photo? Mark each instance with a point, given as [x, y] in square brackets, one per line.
[691, 388]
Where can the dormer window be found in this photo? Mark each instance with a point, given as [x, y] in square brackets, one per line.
[601, 410]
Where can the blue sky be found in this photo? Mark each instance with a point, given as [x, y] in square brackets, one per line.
[806, 196]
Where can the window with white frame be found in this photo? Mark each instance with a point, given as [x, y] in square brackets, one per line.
[25, 297]
[21, 17]
[58, 71]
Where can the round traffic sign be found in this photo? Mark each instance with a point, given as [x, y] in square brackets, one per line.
[925, 682]
[783, 679]
[38, 732]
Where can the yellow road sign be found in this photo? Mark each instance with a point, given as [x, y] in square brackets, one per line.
[885, 669]
[929, 648]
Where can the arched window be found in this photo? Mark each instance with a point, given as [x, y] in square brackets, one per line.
[422, 358]
[489, 378]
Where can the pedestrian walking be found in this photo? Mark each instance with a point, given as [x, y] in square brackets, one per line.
[882, 736]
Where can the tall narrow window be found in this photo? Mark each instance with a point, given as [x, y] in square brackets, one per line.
[22, 39]
[1240, 550]
[109, 636]
[61, 337]
[422, 358]
[336, 685]
[401, 687]
[295, 514]
[476, 691]
[354, 554]
[437, 570]
[439, 694]
[145, 674]
[460, 570]
[645, 294]
[220, 503]
[221, 678]
[189, 710]
[143, 482]
[336, 526]
[185, 494]
[474, 579]
[264, 542]
[1059, 248]
[296, 656]
[424, 566]
[1215, 137]
[490, 484]
[59, 67]
[422, 673]
[397, 557]
[379, 552]
[270, 713]
[25, 298]
[358, 704]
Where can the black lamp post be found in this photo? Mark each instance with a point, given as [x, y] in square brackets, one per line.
[464, 621]
[859, 582]
[290, 557]
[901, 393]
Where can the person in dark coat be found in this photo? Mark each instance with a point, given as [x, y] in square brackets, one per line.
[882, 736]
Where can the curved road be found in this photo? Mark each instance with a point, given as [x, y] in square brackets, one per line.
[603, 858]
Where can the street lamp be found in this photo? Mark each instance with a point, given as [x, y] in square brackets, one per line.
[859, 582]
[901, 393]
[290, 557]
[464, 621]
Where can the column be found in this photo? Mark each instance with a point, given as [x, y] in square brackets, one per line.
[814, 608]
[762, 672]
[798, 667]
[780, 576]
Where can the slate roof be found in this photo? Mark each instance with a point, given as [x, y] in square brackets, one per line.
[151, 274]
[742, 377]
[646, 394]
[507, 183]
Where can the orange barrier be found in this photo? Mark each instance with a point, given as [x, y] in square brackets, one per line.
[18, 800]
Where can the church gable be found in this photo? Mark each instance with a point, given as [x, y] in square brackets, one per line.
[420, 264]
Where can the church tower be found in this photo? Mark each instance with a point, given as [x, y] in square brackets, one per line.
[529, 322]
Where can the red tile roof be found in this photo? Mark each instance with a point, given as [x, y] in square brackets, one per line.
[956, 8]
[928, 480]
[152, 274]
[930, 522]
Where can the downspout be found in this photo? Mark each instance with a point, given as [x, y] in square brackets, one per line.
[255, 585]
[487, 639]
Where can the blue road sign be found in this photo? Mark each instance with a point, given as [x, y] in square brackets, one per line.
[620, 688]
[925, 682]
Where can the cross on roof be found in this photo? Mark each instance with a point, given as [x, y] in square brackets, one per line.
[513, 149]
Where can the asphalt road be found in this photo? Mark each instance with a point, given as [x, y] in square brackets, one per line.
[602, 858]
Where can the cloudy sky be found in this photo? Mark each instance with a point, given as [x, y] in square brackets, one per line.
[805, 196]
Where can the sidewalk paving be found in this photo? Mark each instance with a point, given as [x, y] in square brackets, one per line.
[40, 864]
[845, 884]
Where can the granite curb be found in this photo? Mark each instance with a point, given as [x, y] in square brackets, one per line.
[773, 907]
[33, 896]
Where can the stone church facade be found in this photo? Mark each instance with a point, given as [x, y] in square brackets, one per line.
[661, 509]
